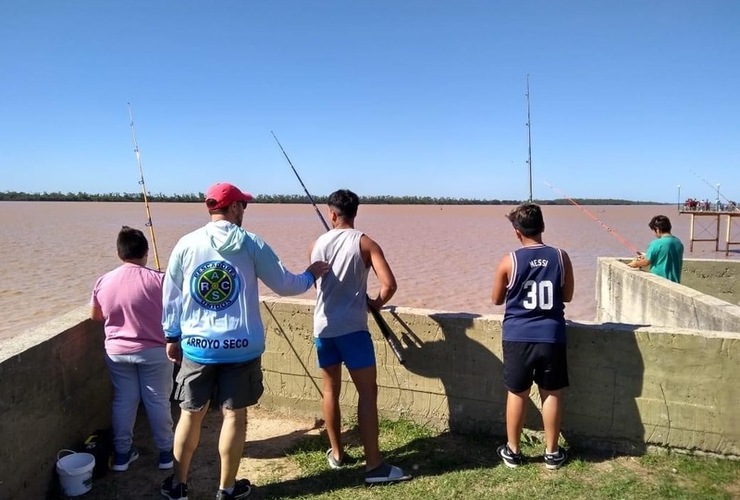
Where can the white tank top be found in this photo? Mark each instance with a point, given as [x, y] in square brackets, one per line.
[341, 304]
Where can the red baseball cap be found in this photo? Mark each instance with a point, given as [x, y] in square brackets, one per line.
[223, 194]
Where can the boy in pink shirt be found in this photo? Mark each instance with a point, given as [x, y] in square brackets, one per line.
[128, 300]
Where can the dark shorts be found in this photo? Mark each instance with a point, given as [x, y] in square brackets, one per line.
[538, 362]
[229, 385]
[354, 349]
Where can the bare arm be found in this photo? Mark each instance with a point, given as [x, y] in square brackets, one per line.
[310, 250]
[96, 314]
[318, 268]
[640, 261]
[174, 352]
[569, 281]
[374, 257]
[501, 280]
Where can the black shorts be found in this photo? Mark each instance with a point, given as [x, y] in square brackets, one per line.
[229, 385]
[525, 362]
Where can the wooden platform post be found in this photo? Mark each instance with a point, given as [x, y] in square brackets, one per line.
[717, 215]
[731, 216]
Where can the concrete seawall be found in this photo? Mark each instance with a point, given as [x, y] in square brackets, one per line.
[707, 299]
[632, 386]
[54, 392]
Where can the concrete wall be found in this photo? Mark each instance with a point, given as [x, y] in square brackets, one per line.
[629, 296]
[54, 392]
[631, 387]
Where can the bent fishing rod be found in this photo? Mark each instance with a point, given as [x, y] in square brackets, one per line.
[619, 237]
[382, 325]
[149, 223]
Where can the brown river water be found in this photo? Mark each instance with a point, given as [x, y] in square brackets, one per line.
[443, 256]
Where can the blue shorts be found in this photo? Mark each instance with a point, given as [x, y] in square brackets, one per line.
[354, 349]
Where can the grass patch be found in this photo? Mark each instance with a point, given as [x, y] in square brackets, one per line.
[447, 466]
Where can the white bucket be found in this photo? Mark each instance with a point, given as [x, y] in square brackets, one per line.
[75, 472]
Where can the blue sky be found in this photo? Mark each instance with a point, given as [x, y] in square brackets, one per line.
[629, 99]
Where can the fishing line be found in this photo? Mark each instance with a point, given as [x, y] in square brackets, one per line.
[716, 189]
[298, 357]
[149, 223]
[619, 237]
[382, 325]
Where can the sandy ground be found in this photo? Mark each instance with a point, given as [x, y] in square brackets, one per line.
[269, 435]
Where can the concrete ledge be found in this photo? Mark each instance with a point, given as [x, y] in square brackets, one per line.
[54, 391]
[630, 296]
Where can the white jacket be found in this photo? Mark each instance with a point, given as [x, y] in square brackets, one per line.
[210, 295]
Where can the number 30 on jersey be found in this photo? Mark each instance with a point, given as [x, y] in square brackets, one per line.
[539, 295]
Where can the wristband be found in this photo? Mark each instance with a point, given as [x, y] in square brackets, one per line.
[172, 340]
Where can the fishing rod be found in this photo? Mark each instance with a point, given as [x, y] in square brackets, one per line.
[326, 226]
[529, 142]
[729, 202]
[149, 223]
[621, 239]
[382, 325]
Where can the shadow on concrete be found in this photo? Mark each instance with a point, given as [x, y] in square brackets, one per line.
[621, 326]
[601, 418]
[470, 373]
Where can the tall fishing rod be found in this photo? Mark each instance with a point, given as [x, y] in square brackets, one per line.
[529, 142]
[318, 212]
[149, 223]
[382, 325]
[621, 239]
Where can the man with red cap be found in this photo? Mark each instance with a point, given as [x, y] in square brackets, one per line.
[213, 328]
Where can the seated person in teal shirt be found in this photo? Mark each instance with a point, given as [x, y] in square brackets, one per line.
[665, 253]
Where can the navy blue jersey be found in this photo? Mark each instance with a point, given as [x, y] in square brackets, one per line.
[535, 311]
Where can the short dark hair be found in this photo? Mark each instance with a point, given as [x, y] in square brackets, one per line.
[344, 202]
[212, 211]
[131, 244]
[527, 218]
[661, 223]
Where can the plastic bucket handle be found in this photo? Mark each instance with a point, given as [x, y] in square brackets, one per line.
[69, 452]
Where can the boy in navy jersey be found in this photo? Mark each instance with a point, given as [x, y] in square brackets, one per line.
[535, 281]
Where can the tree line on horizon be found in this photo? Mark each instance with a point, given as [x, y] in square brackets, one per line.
[299, 199]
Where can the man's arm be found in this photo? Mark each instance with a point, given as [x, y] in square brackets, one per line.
[174, 352]
[375, 258]
[569, 281]
[271, 271]
[501, 280]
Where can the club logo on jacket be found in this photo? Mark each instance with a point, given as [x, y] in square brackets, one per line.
[215, 285]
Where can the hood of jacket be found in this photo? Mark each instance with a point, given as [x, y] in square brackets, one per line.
[225, 237]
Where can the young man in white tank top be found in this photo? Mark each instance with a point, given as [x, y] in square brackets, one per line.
[341, 333]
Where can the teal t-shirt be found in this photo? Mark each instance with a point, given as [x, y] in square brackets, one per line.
[666, 257]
